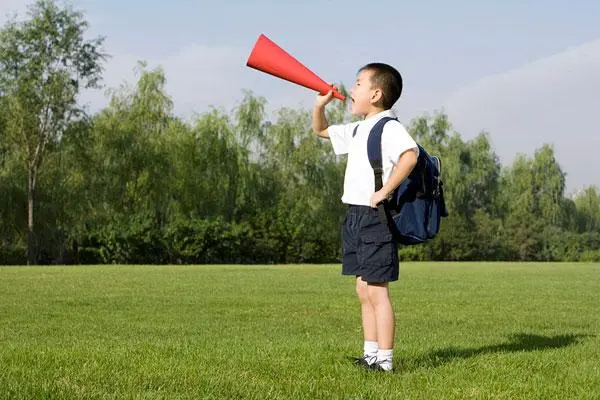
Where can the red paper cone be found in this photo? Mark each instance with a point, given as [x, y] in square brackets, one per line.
[267, 57]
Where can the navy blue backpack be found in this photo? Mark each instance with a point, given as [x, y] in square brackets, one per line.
[414, 210]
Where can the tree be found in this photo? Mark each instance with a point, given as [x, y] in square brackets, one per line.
[548, 185]
[587, 206]
[44, 63]
[126, 168]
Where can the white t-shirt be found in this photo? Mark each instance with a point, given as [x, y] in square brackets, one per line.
[359, 181]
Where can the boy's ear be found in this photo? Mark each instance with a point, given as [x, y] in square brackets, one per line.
[376, 96]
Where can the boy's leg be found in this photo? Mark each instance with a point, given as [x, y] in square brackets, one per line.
[369, 322]
[377, 254]
[385, 322]
[350, 266]
[384, 314]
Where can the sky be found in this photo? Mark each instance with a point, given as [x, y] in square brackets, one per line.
[528, 74]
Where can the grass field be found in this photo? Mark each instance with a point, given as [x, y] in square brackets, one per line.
[468, 330]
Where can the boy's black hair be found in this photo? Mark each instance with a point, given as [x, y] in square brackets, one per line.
[388, 79]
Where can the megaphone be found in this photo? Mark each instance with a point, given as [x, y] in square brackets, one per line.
[268, 57]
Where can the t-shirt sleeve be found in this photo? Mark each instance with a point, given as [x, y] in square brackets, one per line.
[340, 136]
[395, 141]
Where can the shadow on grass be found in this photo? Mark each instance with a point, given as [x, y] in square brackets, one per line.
[517, 343]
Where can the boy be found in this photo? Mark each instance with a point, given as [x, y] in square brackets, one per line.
[369, 253]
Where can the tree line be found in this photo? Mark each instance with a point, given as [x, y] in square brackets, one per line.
[134, 183]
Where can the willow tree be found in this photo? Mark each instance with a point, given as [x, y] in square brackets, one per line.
[45, 61]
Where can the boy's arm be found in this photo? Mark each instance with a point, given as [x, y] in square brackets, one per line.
[405, 165]
[319, 121]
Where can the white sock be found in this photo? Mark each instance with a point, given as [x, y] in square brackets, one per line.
[384, 358]
[370, 351]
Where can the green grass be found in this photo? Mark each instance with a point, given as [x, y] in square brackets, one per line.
[469, 330]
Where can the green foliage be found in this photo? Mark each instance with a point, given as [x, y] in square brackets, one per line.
[134, 183]
[44, 63]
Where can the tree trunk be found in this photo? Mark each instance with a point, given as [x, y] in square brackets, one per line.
[31, 245]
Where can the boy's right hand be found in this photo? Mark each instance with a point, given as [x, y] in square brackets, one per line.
[323, 100]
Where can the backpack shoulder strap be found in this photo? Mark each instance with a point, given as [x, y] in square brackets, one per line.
[374, 150]
[375, 158]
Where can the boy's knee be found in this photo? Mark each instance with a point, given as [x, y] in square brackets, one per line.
[362, 290]
[377, 293]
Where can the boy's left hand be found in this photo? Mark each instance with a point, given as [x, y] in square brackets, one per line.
[377, 198]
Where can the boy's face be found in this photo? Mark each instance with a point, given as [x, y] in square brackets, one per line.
[363, 94]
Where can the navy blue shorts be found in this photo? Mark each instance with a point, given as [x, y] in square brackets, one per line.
[368, 249]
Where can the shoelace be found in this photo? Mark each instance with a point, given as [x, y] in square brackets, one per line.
[378, 364]
[371, 360]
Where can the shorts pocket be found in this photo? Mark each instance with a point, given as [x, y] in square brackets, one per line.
[376, 249]
[376, 238]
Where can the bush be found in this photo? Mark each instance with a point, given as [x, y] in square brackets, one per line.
[590, 256]
[13, 254]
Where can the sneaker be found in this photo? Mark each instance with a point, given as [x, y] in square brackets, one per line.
[376, 366]
[364, 361]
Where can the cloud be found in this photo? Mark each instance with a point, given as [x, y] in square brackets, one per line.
[8, 8]
[202, 76]
[553, 100]
[197, 77]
